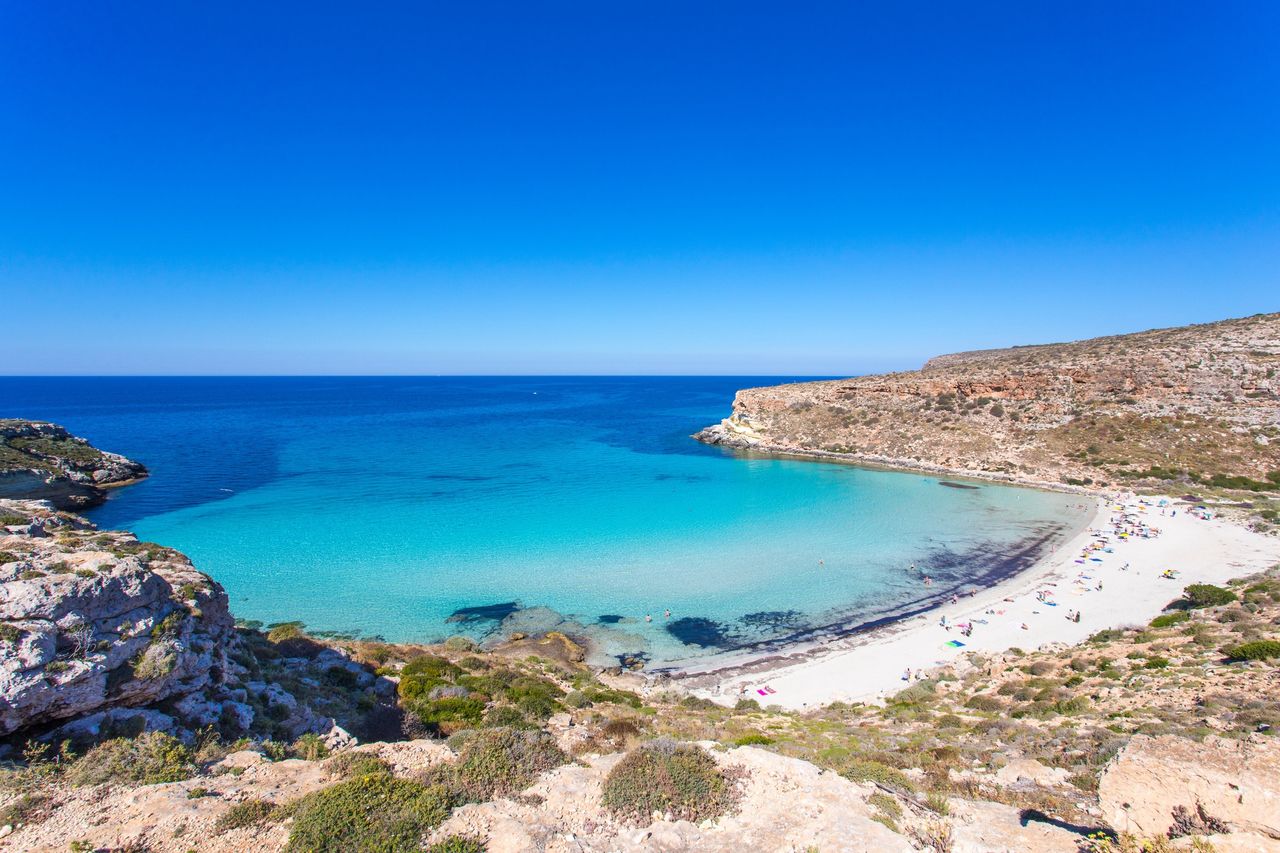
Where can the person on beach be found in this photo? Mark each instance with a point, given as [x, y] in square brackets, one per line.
[648, 618]
[906, 676]
[1077, 619]
[928, 581]
[666, 614]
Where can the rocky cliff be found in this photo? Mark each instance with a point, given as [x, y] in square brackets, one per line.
[43, 461]
[100, 632]
[1196, 404]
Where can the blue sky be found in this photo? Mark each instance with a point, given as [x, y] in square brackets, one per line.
[653, 187]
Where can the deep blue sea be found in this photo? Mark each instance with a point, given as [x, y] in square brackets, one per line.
[417, 508]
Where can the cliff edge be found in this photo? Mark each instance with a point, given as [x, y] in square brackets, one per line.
[1198, 405]
[42, 461]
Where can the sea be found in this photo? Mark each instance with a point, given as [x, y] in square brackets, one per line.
[418, 508]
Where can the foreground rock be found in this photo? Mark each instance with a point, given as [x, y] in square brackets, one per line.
[786, 805]
[102, 634]
[1175, 786]
[1195, 403]
[43, 461]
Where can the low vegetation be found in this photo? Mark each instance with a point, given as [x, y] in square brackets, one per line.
[667, 778]
[374, 812]
[148, 759]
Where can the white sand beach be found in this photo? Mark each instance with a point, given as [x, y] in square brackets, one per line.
[871, 666]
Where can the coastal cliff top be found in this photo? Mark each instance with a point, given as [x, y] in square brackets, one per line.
[43, 461]
[51, 449]
[1197, 407]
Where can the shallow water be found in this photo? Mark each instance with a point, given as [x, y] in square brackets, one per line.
[415, 508]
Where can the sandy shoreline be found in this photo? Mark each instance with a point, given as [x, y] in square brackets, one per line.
[869, 666]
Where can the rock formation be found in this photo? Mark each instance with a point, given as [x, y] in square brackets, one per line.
[1188, 403]
[43, 461]
[1174, 786]
[100, 632]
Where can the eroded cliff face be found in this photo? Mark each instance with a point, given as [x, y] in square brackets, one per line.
[1203, 400]
[93, 620]
[42, 461]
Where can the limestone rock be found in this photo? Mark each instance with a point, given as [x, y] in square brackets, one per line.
[981, 827]
[92, 628]
[1235, 782]
[1205, 395]
[43, 461]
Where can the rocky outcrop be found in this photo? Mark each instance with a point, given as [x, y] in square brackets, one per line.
[1193, 402]
[785, 805]
[95, 621]
[42, 461]
[102, 634]
[1176, 786]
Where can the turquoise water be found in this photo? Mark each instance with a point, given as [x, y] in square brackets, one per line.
[412, 509]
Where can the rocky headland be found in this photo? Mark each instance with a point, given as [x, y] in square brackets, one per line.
[1191, 408]
[43, 461]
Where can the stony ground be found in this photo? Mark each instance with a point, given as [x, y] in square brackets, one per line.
[1009, 752]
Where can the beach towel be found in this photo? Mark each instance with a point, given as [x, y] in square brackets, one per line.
[953, 644]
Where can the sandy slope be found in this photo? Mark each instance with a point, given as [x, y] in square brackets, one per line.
[871, 666]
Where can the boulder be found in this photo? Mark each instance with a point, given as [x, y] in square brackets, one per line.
[1218, 784]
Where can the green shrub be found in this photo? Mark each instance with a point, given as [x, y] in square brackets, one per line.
[457, 844]
[448, 714]
[310, 747]
[498, 716]
[375, 813]
[349, 765]
[285, 631]
[420, 675]
[577, 699]
[1199, 595]
[156, 661]
[867, 770]
[664, 776]
[243, 814]
[1165, 620]
[753, 739]
[747, 705]
[502, 761]
[886, 804]
[1156, 663]
[1074, 705]
[1257, 650]
[10, 633]
[148, 759]
[980, 702]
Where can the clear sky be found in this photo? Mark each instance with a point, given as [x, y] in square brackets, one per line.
[624, 187]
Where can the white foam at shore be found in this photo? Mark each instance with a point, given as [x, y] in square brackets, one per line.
[870, 666]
